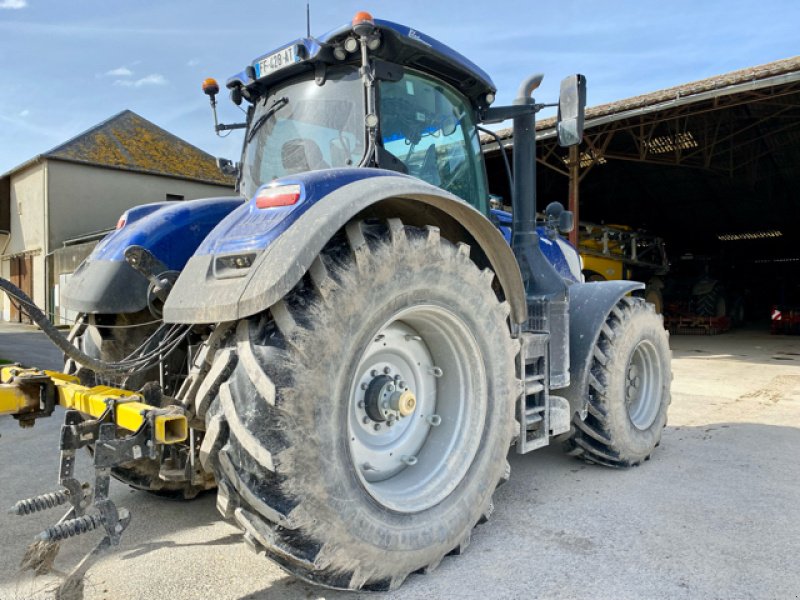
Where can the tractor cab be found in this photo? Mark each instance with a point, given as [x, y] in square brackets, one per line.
[374, 94]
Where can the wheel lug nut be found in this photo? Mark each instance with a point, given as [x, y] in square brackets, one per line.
[365, 420]
[390, 387]
[361, 404]
[377, 426]
[373, 373]
[386, 370]
[364, 386]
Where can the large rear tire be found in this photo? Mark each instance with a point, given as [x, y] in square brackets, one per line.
[712, 303]
[629, 389]
[391, 325]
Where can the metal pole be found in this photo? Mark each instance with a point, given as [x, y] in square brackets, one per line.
[574, 187]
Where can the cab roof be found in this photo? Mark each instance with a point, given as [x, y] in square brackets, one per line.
[399, 44]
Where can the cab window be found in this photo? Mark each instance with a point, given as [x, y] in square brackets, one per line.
[429, 127]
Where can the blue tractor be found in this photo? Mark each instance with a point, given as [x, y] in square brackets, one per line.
[353, 340]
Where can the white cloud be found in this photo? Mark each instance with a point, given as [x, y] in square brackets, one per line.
[193, 62]
[24, 113]
[12, 4]
[119, 72]
[152, 79]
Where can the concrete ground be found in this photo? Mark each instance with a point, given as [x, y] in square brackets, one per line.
[714, 514]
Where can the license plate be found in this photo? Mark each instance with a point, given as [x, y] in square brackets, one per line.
[277, 61]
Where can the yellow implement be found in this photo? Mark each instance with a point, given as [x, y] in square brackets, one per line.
[22, 392]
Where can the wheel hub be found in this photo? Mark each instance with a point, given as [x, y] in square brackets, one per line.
[411, 429]
[643, 385]
[385, 399]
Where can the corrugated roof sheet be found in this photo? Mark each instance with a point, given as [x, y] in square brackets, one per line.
[718, 82]
[779, 67]
[129, 142]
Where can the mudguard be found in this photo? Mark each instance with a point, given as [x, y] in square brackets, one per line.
[104, 283]
[280, 244]
[589, 305]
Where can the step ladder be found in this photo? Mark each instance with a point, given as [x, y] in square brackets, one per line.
[540, 414]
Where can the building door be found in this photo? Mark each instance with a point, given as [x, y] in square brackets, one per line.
[22, 277]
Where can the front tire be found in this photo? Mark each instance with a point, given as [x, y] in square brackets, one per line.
[629, 389]
[299, 436]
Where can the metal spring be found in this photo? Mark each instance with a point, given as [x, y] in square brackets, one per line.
[67, 529]
[41, 502]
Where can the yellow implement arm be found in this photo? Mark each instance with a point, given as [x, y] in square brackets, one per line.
[28, 393]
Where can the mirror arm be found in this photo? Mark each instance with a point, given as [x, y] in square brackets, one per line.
[224, 127]
[498, 114]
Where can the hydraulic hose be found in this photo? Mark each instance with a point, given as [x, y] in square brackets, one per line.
[59, 339]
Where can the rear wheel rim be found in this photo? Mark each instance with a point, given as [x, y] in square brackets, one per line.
[643, 385]
[413, 464]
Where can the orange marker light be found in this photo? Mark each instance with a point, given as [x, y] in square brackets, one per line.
[210, 86]
[362, 16]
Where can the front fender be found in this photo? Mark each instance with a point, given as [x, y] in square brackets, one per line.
[104, 283]
[589, 305]
[205, 294]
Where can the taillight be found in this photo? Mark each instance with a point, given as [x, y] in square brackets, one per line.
[283, 195]
[121, 222]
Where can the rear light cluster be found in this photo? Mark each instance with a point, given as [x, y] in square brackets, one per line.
[282, 195]
[122, 220]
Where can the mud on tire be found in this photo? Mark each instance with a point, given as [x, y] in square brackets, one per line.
[629, 389]
[280, 432]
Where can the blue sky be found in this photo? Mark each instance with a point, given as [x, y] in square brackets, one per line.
[69, 64]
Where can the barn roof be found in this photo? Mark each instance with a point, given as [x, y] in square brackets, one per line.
[129, 142]
[718, 85]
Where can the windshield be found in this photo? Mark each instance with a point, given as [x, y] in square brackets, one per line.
[430, 129]
[302, 126]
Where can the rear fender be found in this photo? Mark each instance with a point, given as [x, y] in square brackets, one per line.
[207, 293]
[589, 305]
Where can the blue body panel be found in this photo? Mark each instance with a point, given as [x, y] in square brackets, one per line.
[552, 249]
[172, 231]
[253, 228]
[138, 212]
[175, 231]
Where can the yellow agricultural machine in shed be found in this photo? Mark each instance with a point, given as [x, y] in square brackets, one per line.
[614, 252]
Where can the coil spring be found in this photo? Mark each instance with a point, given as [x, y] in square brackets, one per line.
[68, 529]
[41, 502]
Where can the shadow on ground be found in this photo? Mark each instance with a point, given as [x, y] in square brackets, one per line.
[667, 529]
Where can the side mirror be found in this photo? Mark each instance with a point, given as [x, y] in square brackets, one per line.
[571, 105]
[227, 167]
[566, 221]
[557, 217]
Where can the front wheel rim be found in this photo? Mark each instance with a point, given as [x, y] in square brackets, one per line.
[416, 409]
[643, 385]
